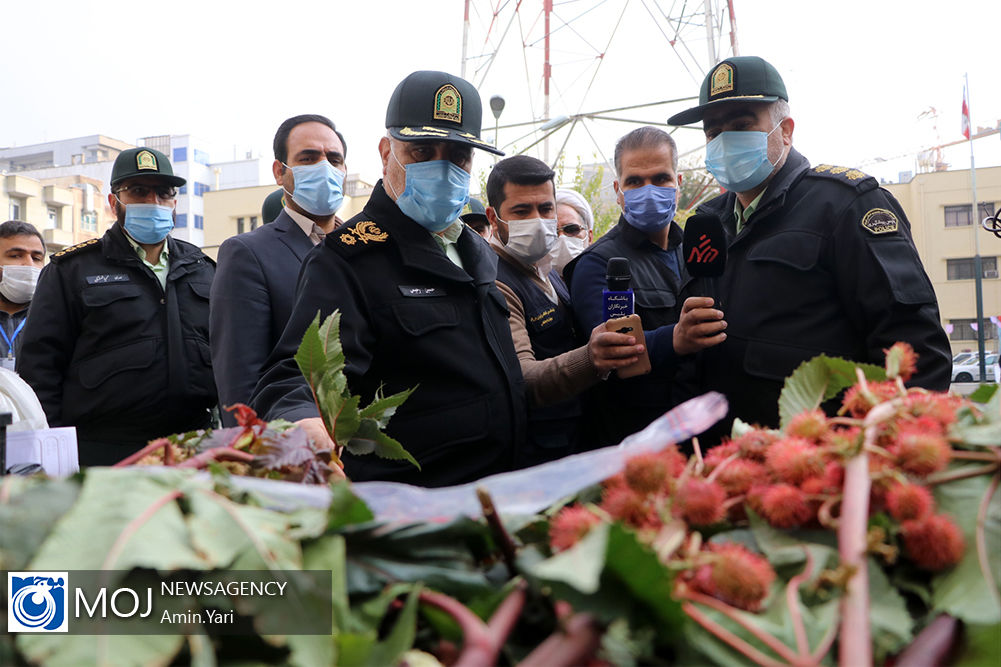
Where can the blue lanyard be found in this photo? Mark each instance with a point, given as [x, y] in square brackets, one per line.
[10, 341]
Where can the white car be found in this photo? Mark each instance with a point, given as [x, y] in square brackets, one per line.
[969, 369]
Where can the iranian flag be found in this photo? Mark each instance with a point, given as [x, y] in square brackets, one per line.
[966, 114]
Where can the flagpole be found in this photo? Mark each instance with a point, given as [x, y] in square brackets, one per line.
[977, 265]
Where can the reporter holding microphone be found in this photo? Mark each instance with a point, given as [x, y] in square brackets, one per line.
[646, 162]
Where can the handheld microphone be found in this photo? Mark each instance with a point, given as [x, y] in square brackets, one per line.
[617, 297]
[705, 251]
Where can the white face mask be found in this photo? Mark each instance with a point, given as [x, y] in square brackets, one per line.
[18, 282]
[530, 240]
[566, 248]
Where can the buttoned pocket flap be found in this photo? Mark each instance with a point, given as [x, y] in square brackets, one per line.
[422, 317]
[201, 289]
[134, 356]
[651, 298]
[774, 361]
[102, 295]
[798, 250]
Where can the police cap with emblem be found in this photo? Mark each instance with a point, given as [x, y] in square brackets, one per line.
[477, 216]
[143, 162]
[436, 106]
[741, 78]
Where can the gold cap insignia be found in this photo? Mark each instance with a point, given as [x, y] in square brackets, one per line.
[146, 160]
[722, 81]
[880, 221]
[448, 104]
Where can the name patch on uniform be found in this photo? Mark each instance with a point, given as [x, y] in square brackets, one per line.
[410, 290]
[880, 221]
[543, 319]
[108, 278]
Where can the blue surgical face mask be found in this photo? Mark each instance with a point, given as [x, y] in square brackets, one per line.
[435, 193]
[148, 223]
[650, 208]
[739, 160]
[319, 188]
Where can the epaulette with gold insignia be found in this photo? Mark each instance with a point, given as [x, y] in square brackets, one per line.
[353, 237]
[93, 244]
[847, 175]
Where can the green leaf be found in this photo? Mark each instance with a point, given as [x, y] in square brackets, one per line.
[960, 591]
[891, 623]
[819, 380]
[310, 359]
[369, 439]
[983, 393]
[440, 555]
[579, 567]
[382, 408]
[347, 420]
[983, 646]
[124, 509]
[28, 515]
[54, 650]
[345, 507]
[401, 637]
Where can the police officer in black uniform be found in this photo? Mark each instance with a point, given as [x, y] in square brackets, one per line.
[820, 259]
[117, 343]
[415, 288]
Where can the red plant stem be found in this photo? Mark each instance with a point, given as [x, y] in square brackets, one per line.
[943, 478]
[504, 541]
[855, 644]
[216, 454]
[965, 455]
[712, 476]
[824, 513]
[728, 637]
[134, 525]
[148, 449]
[506, 615]
[792, 601]
[573, 645]
[932, 646]
[768, 640]
[985, 566]
[478, 647]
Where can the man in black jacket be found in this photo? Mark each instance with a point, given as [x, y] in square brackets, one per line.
[117, 340]
[415, 288]
[820, 259]
[646, 184]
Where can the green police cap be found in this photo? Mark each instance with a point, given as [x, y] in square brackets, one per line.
[477, 215]
[436, 106]
[143, 162]
[743, 78]
[272, 206]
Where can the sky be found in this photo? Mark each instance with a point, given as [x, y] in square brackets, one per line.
[870, 82]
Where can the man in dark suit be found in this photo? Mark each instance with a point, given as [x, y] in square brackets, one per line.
[255, 288]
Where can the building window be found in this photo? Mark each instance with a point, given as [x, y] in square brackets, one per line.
[88, 222]
[201, 189]
[959, 216]
[201, 157]
[199, 222]
[17, 209]
[966, 329]
[239, 225]
[965, 268]
[253, 222]
[53, 217]
[183, 190]
[181, 154]
[181, 220]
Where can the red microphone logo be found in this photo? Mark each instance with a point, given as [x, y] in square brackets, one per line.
[703, 253]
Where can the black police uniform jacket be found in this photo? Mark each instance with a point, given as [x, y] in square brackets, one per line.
[410, 318]
[107, 350]
[622, 407]
[824, 265]
[553, 430]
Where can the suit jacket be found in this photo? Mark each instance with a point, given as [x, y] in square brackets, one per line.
[251, 302]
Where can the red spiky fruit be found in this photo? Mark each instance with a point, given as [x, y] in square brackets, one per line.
[901, 360]
[739, 475]
[907, 502]
[794, 459]
[570, 526]
[735, 575]
[700, 503]
[647, 474]
[921, 451]
[858, 403]
[717, 455]
[754, 444]
[785, 506]
[933, 543]
[811, 425]
[624, 504]
[939, 407]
